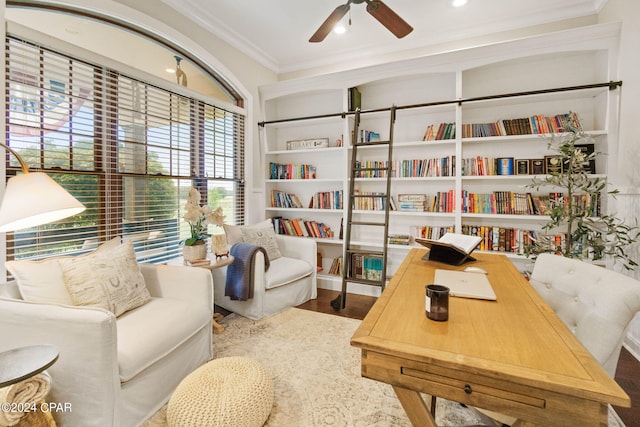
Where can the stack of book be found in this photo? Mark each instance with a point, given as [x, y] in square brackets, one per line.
[399, 239]
[197, 262]
[411, 202]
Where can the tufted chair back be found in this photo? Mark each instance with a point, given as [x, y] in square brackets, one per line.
[596, 304]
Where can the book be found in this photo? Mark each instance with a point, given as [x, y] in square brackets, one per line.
[355, 99]
[462, 241]
[451, 248]
[372, 267]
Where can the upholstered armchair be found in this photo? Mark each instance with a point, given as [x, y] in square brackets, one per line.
[117, 371]
[290, 279]
[596, 304]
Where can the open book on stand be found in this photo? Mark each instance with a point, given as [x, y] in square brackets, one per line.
[452, 248]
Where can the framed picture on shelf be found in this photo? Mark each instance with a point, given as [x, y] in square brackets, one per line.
[522, 167]
[537, 167]
[553, 164]
[589, 167]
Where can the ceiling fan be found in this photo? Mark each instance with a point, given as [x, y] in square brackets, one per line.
[376, 8]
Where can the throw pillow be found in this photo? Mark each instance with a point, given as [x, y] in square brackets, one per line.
[234, 234]
[263, 235]
[109, 279]
[42, 281]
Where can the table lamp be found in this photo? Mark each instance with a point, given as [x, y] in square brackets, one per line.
[33, 198]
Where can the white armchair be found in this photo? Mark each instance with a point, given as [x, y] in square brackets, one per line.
[289, 281]
[595, 303]
[118, 371]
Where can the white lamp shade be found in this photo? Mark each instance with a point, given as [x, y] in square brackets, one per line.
[34, 198]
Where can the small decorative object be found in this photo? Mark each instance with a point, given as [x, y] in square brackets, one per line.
[219, 243]
[198, 218]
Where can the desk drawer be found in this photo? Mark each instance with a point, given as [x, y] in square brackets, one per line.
[472, 388]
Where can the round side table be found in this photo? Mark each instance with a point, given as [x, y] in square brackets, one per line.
[21, 363]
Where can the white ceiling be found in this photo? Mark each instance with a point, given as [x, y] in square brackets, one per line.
[276, 32]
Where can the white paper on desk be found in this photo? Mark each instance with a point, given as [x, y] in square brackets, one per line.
[464, 284]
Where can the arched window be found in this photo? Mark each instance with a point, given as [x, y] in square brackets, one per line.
[128, 147]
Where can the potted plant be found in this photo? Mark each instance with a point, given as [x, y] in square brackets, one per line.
[588, 233]
[198, 217]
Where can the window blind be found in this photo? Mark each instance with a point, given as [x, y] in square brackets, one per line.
[127, 149]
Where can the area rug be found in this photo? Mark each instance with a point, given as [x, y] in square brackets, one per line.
[316, 374]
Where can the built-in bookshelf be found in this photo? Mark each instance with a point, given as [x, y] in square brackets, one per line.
[454, 144]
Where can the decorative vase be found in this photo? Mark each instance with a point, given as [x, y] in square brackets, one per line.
[219, 245]
[194, 252]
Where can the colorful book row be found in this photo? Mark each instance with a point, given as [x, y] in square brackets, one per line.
[281, 199]
[326, 200]
[301, 228]
[511, 203]
[291, 171]
[430, 232]
[441, 131]
[536, 124]
[434, 167]
[369, 200]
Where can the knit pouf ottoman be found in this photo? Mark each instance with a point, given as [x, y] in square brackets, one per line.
[230, 391]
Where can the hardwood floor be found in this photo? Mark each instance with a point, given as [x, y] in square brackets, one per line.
[627, 375]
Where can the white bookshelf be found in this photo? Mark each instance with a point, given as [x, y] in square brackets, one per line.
[570, 58]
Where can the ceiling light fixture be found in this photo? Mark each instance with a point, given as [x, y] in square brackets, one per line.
[181, 77]
[458, 3]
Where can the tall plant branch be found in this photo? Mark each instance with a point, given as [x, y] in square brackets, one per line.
[589, 234]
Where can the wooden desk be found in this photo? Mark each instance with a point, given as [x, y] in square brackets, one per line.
[512, 356]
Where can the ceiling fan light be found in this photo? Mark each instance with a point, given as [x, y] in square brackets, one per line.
[458, 3]
[340, 29]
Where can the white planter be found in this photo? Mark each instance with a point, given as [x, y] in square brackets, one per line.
[192, 253]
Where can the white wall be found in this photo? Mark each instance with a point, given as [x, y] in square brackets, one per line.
[627, 178]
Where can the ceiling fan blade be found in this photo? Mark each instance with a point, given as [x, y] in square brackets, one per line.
[388, 18]
[329, 23]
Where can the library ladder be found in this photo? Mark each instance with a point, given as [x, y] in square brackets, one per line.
[353, 255]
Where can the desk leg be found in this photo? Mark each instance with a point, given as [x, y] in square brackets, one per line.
[415, 407]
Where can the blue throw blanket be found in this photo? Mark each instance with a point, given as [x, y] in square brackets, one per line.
[238, 285]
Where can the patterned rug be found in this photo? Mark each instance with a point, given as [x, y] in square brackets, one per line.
[316, 374]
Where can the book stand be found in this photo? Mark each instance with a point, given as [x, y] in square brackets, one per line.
[445, 252]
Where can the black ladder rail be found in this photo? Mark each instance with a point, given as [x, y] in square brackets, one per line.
[348, 251]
